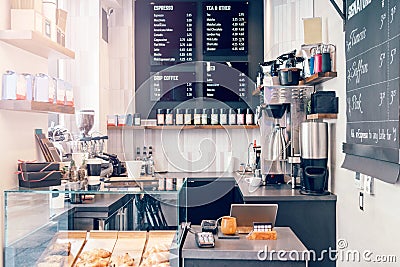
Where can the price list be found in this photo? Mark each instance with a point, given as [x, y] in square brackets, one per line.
[225, 29]
[226, 82]
[172, 86]
[172, 35]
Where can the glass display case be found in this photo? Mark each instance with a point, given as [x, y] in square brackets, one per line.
[36, 219]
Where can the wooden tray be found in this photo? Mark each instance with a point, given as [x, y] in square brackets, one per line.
[131, 242]
[160, 237]
[99, 240]
[77, 240]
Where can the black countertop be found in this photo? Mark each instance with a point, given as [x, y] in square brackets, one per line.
[262, 193]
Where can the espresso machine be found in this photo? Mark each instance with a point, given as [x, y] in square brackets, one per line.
[281, 114]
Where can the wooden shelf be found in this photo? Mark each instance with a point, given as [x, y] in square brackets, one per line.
[36, 43]
[183, 127]
[33, 106]
[322, 116]
[319, 77]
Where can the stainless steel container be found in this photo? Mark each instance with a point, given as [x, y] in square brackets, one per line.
[314, 140]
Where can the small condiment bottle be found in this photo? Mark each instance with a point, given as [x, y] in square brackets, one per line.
[197, 116]
[214, 116]
[240, 120]
[179, 113]
[205, 117]
[232, 116]
[223, 116]
[160, 116]
[169, 117]
[188, 116]
[249, 117]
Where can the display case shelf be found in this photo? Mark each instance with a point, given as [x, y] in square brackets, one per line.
[183, 127]
[34, 106]
[36, 43]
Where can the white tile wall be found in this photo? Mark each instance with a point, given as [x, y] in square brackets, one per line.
[187, 150]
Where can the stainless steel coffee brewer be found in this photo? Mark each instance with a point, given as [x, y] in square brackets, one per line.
[281, 113]
[314, 158]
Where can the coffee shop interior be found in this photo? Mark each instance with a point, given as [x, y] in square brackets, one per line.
[199, 133]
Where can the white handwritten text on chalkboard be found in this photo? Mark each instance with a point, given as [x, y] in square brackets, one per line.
[380, 135]
[356, 37]
[357, 69]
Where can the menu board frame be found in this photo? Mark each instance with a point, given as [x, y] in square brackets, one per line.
[143, 54]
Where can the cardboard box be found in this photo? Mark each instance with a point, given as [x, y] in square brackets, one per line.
[27, 19]
[62, 19]
[27, 4]
[312, 30]
[60, 37]
[41, 88]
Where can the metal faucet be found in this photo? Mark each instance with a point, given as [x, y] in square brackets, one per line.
[248, 166]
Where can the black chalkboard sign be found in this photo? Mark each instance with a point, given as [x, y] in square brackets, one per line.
[372, 45]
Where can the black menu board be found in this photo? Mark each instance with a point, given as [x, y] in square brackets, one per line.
[225, 81]
[372, 47]
[172, 32]
[225, 28]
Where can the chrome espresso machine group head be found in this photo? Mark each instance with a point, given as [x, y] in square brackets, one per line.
[281, 114]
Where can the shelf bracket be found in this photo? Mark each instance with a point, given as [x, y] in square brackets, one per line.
[341, 13]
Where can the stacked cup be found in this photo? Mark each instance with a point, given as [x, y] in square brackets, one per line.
[93, 172]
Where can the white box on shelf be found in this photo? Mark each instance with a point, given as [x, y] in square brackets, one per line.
[69, 94]
[27, 19]
[41, 88]
[112, 120]
[60, 91]
[24, 86]
[9, 85]
[52, 90]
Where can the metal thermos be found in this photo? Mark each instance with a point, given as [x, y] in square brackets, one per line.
[314, 157]
[314, 140]
[318, 61]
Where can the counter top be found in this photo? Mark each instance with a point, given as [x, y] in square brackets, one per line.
[263, 193]
[243, 249]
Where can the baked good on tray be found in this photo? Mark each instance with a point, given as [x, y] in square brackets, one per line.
[53, 261]
[122, 261]
[94, 258]
[60, 249]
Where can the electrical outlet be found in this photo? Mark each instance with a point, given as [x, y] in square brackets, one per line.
[369, 185]
[362, 181]
[357, 180]
[361, 201]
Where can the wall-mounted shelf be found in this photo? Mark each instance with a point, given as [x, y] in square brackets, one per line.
[314, 79]
[183, 127]
[36, 43]
[33, 106]
[322, 116]
[319, 77]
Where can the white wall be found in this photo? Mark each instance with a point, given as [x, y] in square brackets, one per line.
[375, 228]
[17, 141]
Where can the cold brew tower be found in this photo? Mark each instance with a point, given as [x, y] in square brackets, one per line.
[282, 111]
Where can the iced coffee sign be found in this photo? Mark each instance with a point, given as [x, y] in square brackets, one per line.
[372, 47]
